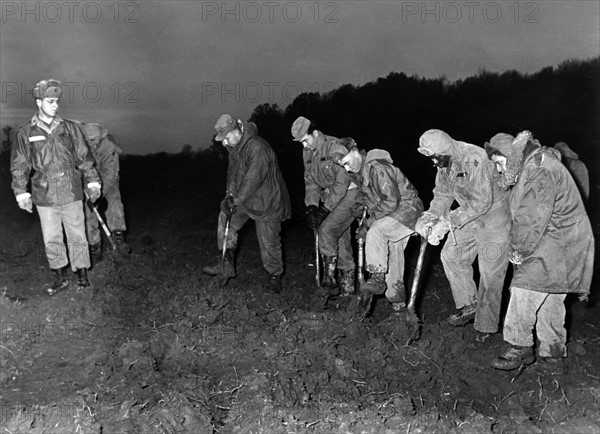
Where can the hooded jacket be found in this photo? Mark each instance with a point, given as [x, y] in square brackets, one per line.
[254, 179]
[386, 191]
[472, 180]
[550, 227]
[57, 159]
[324, 179]
[106, 155]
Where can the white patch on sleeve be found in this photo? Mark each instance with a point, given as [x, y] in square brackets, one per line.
[37, 138]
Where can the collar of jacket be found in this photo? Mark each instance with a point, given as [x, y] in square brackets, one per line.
[36, 121]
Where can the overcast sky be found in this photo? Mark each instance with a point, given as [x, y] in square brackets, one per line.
[159, 74]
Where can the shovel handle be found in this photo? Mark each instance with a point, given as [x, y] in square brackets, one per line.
[417, 276]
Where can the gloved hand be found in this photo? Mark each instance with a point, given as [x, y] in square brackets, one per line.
[26, 204]
[311, 216]
[438, 231]
[584, 298]
[228, 206]
[426, 221]
[322, 214]
[94, 194]
[515, 257]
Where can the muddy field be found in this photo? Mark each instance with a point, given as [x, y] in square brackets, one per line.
[155, 346]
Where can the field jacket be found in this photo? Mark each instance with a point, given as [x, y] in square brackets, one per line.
[254, 179]
[550, 228]
[106, 155]
[57, 156]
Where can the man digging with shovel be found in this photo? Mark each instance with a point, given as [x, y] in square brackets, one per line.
[393, 208]
[255, 190]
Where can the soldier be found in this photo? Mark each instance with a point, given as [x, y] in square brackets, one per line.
[478, 227]
[551, 246]
[393, 208]
[51, 151]
[106, 153]
[327, 182]
[256, 190]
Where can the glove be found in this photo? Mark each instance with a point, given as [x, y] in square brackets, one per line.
[426, 221]
[26, 204]
[311, 216]
[228, 206]
[94, 194]
[584, 298]
[438, 231]
[515, 257]
[322, 214]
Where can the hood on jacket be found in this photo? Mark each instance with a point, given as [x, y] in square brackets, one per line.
[93, 132]
[515, 151]
[436, 142]
[250, 130]
[565, 151]
[378, 154]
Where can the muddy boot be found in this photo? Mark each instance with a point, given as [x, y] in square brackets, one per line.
[463, 316]
[347, 283]
[95, 253]
[60, 282]
[329, 283]
[375, 285]
[513, 358]
[82, 278]
[228, 270]
[122, 246]
[274, 284]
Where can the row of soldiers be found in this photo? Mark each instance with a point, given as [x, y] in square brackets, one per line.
[50, 154]
[516, 202]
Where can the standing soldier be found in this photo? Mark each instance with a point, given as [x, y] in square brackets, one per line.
[327, 182]
[551, 246]
[54, 150]
[478, 227]
[106, 153]
[256, 190]
[393, 208]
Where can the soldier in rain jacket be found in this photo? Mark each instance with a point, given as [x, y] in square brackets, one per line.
[329, 196]
[255, 190]
[106, 153]
[393, 207]
[551, 248]
[478, 228]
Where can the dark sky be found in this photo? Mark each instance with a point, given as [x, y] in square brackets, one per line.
[159, 74]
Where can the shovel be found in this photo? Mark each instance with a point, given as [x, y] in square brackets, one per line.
[317, 260]
[411, 315]
[225, 279]
[363, 303]
[113, 245]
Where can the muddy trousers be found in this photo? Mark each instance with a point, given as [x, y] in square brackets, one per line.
[69, 216]
[384, 253]
[544, 312]
[115, 215]
[334, 233]
[267, 232]
[490, 247]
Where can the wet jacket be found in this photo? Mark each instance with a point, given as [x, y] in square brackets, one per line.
[387, 192]
[323, 179]
[106, 155]
[472, 180]
[57, 158]
[254, 179]
[550, 228]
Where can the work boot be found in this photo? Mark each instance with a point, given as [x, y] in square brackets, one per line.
[95, 253]
[329, 283]
[463, 316]
[274, 284]
[122, 246]
[375, 285]
[82, 278]
[214, 268]
[514, 357]
[347, 283]
[60, 282]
